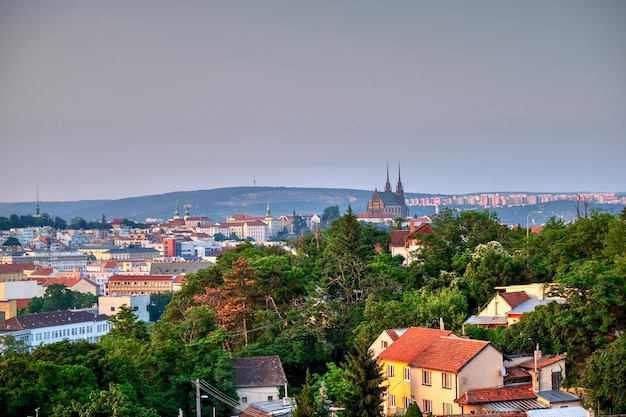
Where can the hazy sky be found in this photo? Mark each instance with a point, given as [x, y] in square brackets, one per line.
[111, 99]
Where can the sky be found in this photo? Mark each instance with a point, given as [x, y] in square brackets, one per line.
[113, 99]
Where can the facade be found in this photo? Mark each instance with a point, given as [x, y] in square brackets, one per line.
[388, 202]
[45, 328]
[258, 379]
[138, 285]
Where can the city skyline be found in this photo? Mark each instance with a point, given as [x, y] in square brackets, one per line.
[107, 100]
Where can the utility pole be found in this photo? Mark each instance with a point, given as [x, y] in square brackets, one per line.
[198, 406]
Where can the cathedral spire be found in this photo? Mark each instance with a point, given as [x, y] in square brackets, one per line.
[399, 187]
[387, 184]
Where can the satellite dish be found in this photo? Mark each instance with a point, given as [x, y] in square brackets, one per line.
[503, 371]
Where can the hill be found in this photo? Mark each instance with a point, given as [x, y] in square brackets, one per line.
[220, 203]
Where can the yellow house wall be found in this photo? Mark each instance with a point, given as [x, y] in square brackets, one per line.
[434, 392]
[491, 310]
[397, 386]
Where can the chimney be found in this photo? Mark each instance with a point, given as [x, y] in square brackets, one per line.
[441, 325]
[412, 225]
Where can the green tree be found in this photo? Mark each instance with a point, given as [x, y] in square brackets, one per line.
[306, 403]
[329, 214]
[363, 378]
[11, 241]
[605, 376]
[126, 324]
[413, 411]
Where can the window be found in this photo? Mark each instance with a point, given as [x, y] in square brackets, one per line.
[407, 374]
[270, 398]
[427, 406]
[390, 371]
[446, 380]
[425, 377]
[112, 308]
[383, 344]
[407, 402]
[447, 409]
[244, 400]
[392, 401]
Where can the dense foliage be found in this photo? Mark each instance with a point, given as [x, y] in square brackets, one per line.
[338, 289]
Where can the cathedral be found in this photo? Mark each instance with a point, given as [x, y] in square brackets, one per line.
[388, 201]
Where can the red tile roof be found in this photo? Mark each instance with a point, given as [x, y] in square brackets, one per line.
[411, 344]
[15, 268]
[398, 238]
[141, 278]
[515, 298]
[393, 335]
[448, 354]
[541, 362]
[490, 395]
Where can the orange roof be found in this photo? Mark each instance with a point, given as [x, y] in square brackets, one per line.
[14, 268]
[489, 395]
[515, 298]
[541, 362]
[68, 282]
[411, 344]
[448, 354]
[43, 272]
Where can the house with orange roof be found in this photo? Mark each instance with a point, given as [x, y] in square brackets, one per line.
[79, 284]
[408, 242]
[509, 304]
[433, 368]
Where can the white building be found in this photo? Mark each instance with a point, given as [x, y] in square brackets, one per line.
[110, 305]
[45, 328]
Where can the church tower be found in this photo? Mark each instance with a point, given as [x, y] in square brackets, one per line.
[399, 188]
[387, 184]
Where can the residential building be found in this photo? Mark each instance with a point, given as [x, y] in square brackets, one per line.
[433, 367]
[408, 243]
[509, 304]
[110, 305]
[14, 272]
[258, 379]
[138, 284]
[44, 328]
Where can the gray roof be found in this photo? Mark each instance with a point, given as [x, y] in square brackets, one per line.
[532, 304]
[258, 371]
[575, 411]
[173, 268]
[484, 320]
[55, 318]
[513, 405]
[557, 396]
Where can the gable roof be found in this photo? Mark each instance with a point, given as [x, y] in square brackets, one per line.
[541, 362]
[505, 393]
[449, 354]
[411, 344]
[258, 371]
[515, 298]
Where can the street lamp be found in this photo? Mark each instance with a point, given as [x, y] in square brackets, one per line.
[528, 234]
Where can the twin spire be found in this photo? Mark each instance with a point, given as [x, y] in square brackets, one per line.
[399, 187]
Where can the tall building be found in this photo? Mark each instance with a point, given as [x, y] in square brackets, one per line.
[387, 201]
